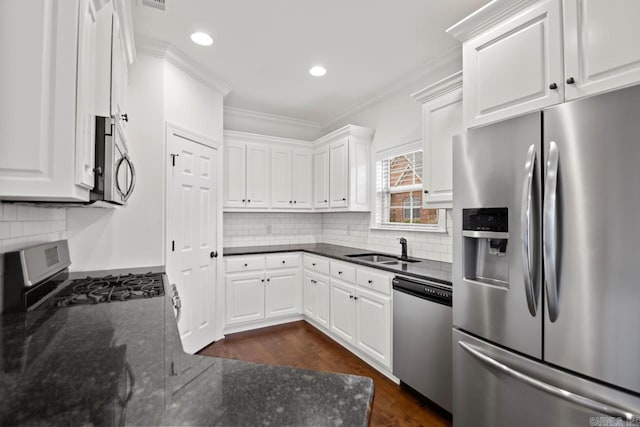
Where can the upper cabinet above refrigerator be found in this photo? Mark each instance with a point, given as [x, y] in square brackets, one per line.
[523, 56]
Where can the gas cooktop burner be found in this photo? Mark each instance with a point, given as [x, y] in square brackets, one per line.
[110, 288]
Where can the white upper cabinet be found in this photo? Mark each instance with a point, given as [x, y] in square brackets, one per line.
[246, 174]
[268, 173]
[302, 187]
[339, 173]
[601, 49]
[46, 107]
[524, 55]
[321, 179]
[441, 120]
[349, 166]
[281, 174]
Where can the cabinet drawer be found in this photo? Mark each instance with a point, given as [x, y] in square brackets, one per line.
[283, 261]
[368, 279]
[319, 265]
[343, 271]
[234, 265]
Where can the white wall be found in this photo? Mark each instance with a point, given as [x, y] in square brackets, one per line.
[24, 226]
[191, 104]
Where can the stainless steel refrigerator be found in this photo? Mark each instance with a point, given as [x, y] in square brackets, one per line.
[546, 270]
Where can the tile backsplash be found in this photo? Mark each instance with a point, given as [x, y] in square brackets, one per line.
[255, 229]
[345, 229]
[22, 226]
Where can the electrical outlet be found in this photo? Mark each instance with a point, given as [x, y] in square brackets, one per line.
[268, 228]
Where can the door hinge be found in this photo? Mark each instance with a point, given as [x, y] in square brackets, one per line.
[173, 159]
[173, 246]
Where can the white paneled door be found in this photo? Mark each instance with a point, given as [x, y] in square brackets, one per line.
[192, 204]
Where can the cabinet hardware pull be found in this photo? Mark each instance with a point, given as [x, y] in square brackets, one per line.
[125, 117]
[426, 191]
[355, 298]
[295, 201]
[344, 199]
[313, 264]
[249, 201]
[553, 86]
[283, 261]
[243, 200]
[246, 265]
[370, 281]
[268, 280]
[571, 81]
[214, 254]
[340, 272]
[326, 201]
[350, 296]
[262, 280]
[290, 201]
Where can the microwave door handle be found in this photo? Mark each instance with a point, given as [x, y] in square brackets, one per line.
[549, 239]
[116, 177]
[526, 220]
[132, 184]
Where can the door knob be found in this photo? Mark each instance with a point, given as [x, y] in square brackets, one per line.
[571, 81]
[214, 254]
[553, 86]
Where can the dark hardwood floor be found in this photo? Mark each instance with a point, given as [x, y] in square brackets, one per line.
[300, 345]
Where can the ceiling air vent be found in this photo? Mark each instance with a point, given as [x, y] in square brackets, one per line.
[156, 4]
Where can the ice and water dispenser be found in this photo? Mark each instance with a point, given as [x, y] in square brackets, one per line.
[485, 237]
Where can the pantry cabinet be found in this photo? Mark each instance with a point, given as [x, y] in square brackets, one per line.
[441, 121]
[526, 55]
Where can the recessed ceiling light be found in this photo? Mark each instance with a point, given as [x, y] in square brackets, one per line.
[318, 71]
[202, 39]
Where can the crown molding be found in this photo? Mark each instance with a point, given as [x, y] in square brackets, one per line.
[230, 135]
[271, 118]
[347, 130]
[452, 55]
[439, 88]
[486, 17]
[179, 59]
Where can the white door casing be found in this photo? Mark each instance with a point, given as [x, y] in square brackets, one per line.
[193, 205]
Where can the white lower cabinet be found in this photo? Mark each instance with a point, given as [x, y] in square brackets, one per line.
[255, 292]
[316, 298]
[361, 313]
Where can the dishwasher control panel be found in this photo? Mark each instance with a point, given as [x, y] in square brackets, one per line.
[432, 291]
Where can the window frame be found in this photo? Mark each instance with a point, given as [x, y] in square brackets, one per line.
[377, 222]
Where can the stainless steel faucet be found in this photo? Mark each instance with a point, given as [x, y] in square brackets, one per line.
[403, 243]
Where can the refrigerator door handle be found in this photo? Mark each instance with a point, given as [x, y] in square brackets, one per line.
[586, 402]
[549, 239]
[526, 219]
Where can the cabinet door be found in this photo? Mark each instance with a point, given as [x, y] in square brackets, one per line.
[234, 175]
[282, 293]
[309, 297]
[343, 315]
[321, 179]
[245, 297]
[601, 45]
[442, 119]
[509, 70]
[373, 326]
[281, 196]
[119, 74]
[339, 173]
[302, 175]
[323, 296]
[257, 176]
[85, 91]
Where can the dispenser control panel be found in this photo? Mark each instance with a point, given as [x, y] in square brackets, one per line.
[485, 219]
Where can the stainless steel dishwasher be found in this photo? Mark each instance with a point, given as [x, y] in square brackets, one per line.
[422, 322]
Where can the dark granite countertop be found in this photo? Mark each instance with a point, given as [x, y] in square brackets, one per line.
[122, 363]
[423, 269]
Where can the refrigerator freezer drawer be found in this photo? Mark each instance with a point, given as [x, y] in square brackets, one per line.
[495, 387]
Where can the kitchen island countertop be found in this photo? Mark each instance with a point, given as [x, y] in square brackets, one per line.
[122, 363]
[423, 269]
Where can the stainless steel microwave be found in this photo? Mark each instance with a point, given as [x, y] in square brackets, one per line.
[115, 175]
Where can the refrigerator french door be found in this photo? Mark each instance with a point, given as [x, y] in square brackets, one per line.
[546, 266]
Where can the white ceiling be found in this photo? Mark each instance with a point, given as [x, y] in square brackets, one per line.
[263, 49]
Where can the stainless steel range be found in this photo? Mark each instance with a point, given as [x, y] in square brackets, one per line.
[38, 277]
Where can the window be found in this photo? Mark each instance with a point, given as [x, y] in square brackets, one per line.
[399, 192]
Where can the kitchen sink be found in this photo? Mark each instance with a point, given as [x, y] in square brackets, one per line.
[382, 259]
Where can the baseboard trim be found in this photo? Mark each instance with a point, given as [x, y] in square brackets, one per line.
[232, 329]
